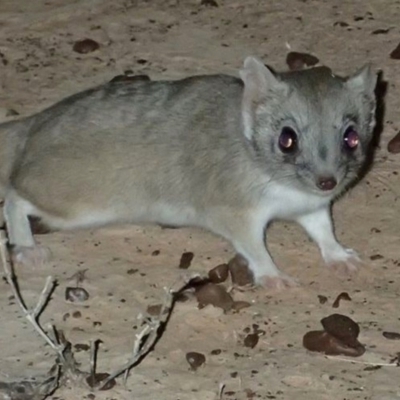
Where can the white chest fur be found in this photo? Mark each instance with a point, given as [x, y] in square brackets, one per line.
[283, 202]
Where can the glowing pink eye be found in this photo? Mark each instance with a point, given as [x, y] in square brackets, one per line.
[351, 139]
[288, 140]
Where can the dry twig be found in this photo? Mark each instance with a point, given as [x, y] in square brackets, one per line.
[66, 364]
[145, 339]
[32, 315]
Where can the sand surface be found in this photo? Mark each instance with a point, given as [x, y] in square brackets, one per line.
[124, 274]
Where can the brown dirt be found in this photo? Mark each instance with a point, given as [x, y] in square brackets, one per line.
[171, 39]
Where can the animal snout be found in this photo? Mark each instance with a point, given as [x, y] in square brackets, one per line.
[326, 182]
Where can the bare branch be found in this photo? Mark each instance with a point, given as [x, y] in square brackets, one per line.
[145, 339]
[31, 315]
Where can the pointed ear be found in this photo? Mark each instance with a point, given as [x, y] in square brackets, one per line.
[363, 81]
[259, 82]
[258, 79]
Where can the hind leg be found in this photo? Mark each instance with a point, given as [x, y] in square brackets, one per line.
[23, 247]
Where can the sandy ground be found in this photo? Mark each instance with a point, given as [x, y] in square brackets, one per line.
[170, 39]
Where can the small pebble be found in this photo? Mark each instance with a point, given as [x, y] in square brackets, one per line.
[240, 272]
[85, 46]
[381, 31]
[394, 144]
[297, 61]
[322, 299]
[181, 297]
[155, 310]
[341, 296]
[339, 337]
[186, 260]
[209, 3]
[215, 295]
[395, 54]
[195, 360]
[130, 78]
[76, 294]
[81, 347]
[342, 327]
[251, 340]
[219, 273]
[391, 335]
[324, 342]
[100, 376]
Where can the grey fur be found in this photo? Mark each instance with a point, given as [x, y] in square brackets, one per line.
[200, 151]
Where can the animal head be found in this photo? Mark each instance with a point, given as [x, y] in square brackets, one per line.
[309, 128]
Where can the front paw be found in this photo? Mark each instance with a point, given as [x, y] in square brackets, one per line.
[278, 282]
[343, 262]
[30, 256]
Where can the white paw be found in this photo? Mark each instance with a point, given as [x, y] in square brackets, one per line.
[30, 256]
[278, 282]
[343, 262]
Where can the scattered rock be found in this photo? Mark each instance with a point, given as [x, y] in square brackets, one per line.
[375, 257]
[215, 295]
[240, 272]
[219, 273]
[93, 381]
[82, 347]
[391, 335]
[381, 31]
[339, 337]
[155, 310]
[85, 46]
[342, 327]
[195, 360]
[395, 54]
[297, 61]
[130, 78]
[341, 296]
[372, 367]
[341, 23]
[186, 260]
[209, 3]
[322, 299]
[323, 342]
[251, 340]
[181, 297]
[394, 143]
[76, 294]
[132, 271]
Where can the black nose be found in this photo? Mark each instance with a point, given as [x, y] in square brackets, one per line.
[326, 182]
